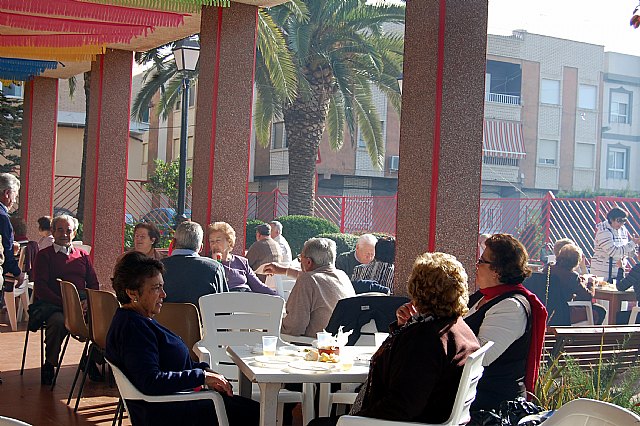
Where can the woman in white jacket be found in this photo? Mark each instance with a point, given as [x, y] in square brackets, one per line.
[612, 243]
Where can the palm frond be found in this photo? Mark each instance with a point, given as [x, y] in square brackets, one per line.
[170, 95]
[73, 84]
[336, 120]
[154, 81]
[369, 123]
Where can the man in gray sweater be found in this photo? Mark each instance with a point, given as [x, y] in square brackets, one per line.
[189, 276]
[318, 288]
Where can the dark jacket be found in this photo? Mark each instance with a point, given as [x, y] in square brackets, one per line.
[414, 376]
[632, 279]
[6, 230]
[503, 379]
[189, 277]
[355, 312]
[347, 262]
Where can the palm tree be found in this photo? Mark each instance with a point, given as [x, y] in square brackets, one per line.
[341, 50]
[315, 64]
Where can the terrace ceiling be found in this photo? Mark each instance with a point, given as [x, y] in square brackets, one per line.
[69, 33]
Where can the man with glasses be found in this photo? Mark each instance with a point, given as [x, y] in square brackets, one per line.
[613, 243]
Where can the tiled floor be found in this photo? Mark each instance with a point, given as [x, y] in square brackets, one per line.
[23, 397]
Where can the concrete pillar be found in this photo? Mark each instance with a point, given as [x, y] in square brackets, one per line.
[223, 117]
[441, 132]
[106, 185]
[38, 151]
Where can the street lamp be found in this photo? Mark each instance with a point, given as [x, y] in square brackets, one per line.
[186, 53]
[400, 82]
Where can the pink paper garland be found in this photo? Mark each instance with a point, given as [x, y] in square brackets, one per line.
[100, 12]
[62, 40]
[42, 23]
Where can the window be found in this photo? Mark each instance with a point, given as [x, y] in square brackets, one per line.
[617, 163]
[587, 96]
[12, 90]
[361, 141]
[548, 152]
[584, 156]
[145, 153]
[619, 111]
[278, 136]
[192, 96]
[550, 91]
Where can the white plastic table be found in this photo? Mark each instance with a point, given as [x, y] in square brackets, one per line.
[270, 380]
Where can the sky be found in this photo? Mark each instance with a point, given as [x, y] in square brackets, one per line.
[603, 22]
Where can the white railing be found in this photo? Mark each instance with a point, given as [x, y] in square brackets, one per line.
[502, 99]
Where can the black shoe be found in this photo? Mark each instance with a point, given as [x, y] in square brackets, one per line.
[46, 373]
[94, 372]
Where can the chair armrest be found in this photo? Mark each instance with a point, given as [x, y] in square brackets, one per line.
[366, 421]
[218, 402]
[203, 354]
[300, 340]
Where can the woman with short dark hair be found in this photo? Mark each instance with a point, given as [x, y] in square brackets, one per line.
[506, 313]
[612, 243]
[146, 237]
[157, 361]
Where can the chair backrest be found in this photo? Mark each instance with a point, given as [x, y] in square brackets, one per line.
[231, 319]
[587, 307]
[355, 312]
[634, 314]
[184, 320]
[471, 374]
[283, 284]
[72, 309]
[584, 411]
[7, 421]
[102, 307]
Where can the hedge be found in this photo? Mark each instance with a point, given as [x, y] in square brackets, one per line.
[344, 242]
[298, 229]
[250, 236]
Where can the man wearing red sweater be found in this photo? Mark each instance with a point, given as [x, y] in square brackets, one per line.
[61, 261]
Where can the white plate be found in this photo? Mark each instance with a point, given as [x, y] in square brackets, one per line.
[313, 366]
[274, 360]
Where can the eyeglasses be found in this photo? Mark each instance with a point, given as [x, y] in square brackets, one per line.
[621, 220]
[482, 261]
[300, 256]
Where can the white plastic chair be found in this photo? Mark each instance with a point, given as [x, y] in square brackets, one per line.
[284, 285]
[584, 411]
[587, 306]
[236, 319]
[471, 374]
[634, 314]
[7, 421]
[80, 244]
[129, 392]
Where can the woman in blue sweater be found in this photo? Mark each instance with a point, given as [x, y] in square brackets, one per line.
[155, 360]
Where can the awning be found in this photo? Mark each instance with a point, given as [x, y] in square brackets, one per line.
[503, 139]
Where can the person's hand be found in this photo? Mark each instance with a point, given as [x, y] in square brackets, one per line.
[16, 248]
[84, 305]
[273, 269]
[636, 240]
[404, 312]
[619, 263]
[218, 382]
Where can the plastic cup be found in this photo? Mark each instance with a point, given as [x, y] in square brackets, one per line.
[346, 361]
[269, 344]
[380, 338]
[325, 339]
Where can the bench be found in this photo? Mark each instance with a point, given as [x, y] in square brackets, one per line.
[587, 345]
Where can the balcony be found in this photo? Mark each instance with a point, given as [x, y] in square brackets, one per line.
[500, 98]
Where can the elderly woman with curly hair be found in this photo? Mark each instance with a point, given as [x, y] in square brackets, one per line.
[414, 375]
[240, 276]
[506, 313]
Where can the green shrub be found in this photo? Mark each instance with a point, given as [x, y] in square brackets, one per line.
[344, 242]
[298, 229]
[250, 236]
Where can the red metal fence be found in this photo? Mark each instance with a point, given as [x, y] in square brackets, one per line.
[535, 221]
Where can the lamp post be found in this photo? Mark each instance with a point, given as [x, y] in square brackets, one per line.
[186, 53]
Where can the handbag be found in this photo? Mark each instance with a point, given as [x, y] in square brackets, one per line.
[509, 413]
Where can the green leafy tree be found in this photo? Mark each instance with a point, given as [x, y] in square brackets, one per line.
[10, 133]
[164, 181]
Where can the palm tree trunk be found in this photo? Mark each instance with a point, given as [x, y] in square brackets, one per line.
[85, 142]
[304, 122]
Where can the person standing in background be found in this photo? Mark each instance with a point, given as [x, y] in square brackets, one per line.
[612, 243]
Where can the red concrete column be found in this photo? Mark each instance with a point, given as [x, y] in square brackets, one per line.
[441, 132]
[107, 151]
[38, 151]
[223, 117]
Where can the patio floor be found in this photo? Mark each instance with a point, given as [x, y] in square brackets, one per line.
[24, 398]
